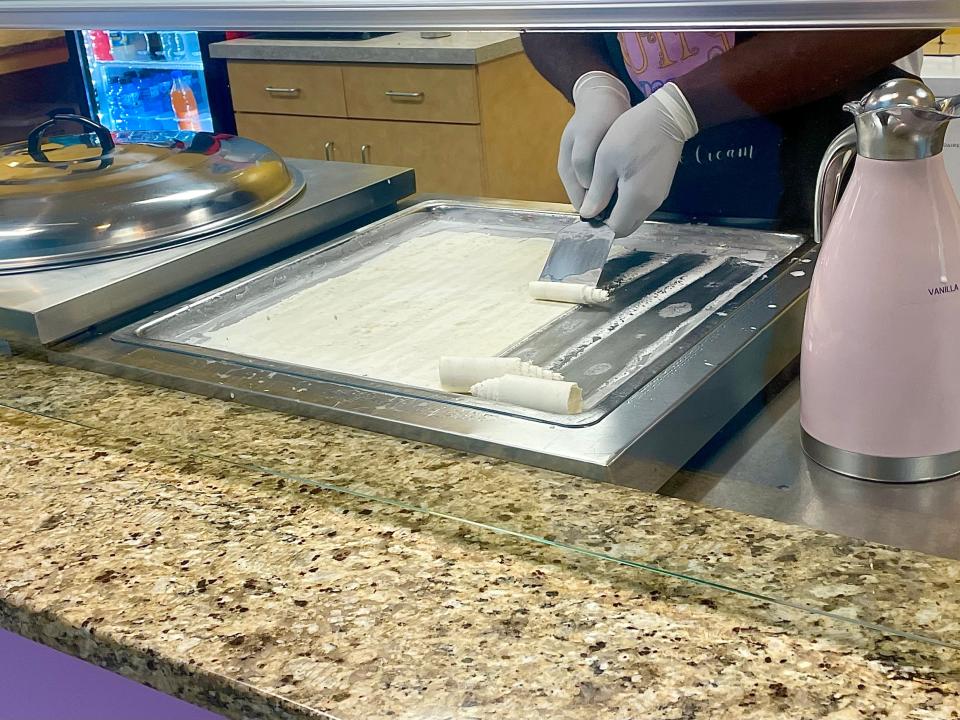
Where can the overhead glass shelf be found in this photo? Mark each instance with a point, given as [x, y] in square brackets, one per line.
[371, 15]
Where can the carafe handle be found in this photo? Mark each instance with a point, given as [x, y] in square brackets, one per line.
[833, 168]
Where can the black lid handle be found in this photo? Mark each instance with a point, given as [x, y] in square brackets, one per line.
[102, 133]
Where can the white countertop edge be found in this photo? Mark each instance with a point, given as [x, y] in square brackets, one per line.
[461, 48]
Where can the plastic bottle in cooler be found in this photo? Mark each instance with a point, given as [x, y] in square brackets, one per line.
[164, 108]
[130, 104]
[138, 41]
[120, 47]
[117, 119]
[192, 44]
[154, 101]
[173, 46]
[155, 47]
[184, 104]
[100, 44]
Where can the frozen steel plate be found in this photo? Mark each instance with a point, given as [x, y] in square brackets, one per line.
[701, 319]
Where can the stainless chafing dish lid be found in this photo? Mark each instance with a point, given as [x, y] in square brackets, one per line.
[95, 195]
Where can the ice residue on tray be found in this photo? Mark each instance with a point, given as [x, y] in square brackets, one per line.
[675, 310]
[635, 273]
[649, 302]
[677, 284]
[649, 353]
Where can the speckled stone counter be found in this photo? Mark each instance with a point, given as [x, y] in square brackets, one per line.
[175, 545]
[459, 48]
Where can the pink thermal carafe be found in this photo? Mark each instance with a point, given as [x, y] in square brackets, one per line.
[880, 364]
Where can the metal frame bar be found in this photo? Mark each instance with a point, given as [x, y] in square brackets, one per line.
[360, 15]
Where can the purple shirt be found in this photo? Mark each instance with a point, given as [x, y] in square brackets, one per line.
[654, 59]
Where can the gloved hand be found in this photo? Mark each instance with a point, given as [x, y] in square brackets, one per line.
[600, 99]
[638, 157]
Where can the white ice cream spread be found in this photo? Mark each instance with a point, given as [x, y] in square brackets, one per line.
[449, 293]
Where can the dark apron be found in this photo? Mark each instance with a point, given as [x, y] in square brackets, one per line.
[758, 173]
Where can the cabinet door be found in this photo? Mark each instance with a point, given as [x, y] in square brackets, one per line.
[289, 88]
[301, 137]
[430, 93]
[447, 158]
[522, 118]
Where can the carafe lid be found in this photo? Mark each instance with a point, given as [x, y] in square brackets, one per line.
[79, 198]
[902, 120]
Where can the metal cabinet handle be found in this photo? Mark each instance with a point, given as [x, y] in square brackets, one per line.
[365, 153]
[286, 92]
[418, 95]
[328, 150]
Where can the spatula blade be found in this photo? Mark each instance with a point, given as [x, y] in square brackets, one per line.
[579, 253]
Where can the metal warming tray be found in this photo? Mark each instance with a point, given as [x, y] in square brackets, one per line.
[47, 305]
[701, 319]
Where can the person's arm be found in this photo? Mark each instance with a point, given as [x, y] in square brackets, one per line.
[775, 71]
[562, 58]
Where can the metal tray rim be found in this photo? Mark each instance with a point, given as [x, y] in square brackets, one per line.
[137, 334]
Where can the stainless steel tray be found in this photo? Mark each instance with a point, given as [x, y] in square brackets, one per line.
[667, 283]
[747, 297]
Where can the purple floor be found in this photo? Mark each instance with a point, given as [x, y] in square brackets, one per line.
[37, 683]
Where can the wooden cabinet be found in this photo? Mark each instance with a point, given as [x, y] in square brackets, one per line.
[410, 92]
[299, 136]
[948, 43]
[447, 158]
[27, 49]
[488, 130]
[287, 88]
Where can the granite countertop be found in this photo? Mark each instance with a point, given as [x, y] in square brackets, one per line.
[181, 541]
[460, 48]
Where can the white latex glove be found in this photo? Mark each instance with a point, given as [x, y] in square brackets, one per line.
[599, 99]
[638, 157]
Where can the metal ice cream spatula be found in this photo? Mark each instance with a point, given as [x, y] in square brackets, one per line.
[580, 251]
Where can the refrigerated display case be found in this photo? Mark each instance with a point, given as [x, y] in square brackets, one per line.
[154, 80]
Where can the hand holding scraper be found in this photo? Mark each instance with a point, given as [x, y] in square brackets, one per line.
[576, 260]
